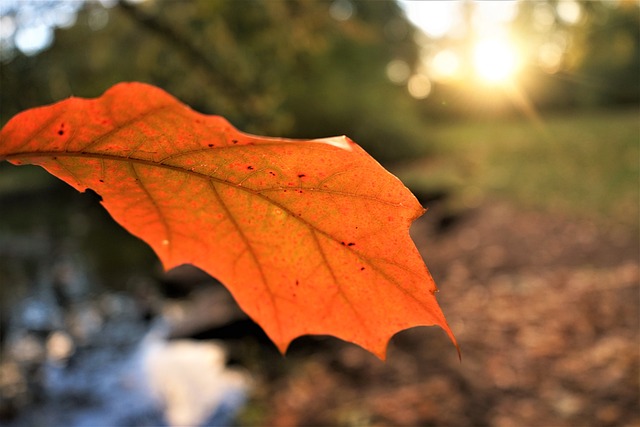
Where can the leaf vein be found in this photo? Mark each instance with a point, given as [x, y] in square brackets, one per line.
[125, 125]
[340, 292]
[145, 190]
[249, 248]
[257, 193]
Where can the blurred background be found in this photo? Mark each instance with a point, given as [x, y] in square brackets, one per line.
[515, 122]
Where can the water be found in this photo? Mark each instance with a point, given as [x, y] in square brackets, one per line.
[84, 336]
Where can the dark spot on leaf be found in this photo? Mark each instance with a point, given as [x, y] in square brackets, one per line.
[60, 132]
[102, 180]
[351, 244]
[235, 141]
[250, 168]
[343, 243]
[272, 173]
[297, 282]
[361, 268]
[210, 145]
[301, 175]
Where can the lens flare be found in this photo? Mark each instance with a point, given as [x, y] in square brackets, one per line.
[495, 60]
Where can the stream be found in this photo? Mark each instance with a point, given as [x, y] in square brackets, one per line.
[93, 333]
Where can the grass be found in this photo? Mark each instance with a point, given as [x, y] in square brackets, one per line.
[584, 163]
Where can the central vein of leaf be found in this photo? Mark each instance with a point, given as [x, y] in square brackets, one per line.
[257, 193]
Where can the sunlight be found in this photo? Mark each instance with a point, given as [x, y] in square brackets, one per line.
[495, 60]
[445, 65]
[436, 18]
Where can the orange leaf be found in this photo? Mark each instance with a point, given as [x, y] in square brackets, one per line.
[311, 237]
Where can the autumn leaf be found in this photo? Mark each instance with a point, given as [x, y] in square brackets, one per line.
[310, 237]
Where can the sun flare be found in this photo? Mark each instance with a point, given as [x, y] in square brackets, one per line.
[495, 60]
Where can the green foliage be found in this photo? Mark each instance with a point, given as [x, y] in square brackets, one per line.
[610, 55]
[583, 164]
[603, 58]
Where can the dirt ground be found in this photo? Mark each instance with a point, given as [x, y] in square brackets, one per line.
[546, 311]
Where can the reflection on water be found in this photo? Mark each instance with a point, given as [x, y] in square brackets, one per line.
[149, 381]
[85, 331]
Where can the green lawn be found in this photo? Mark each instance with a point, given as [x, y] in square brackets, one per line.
[584, 163]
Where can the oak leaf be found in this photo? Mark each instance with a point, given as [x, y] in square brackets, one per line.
[310, 237]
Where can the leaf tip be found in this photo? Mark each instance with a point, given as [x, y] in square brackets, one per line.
[445, 327]
[282, 346]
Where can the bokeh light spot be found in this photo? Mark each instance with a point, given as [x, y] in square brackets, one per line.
[435, 18]
[569, 11]
[445, 65]
[419, 86]
[32, 40]
[398, 71]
